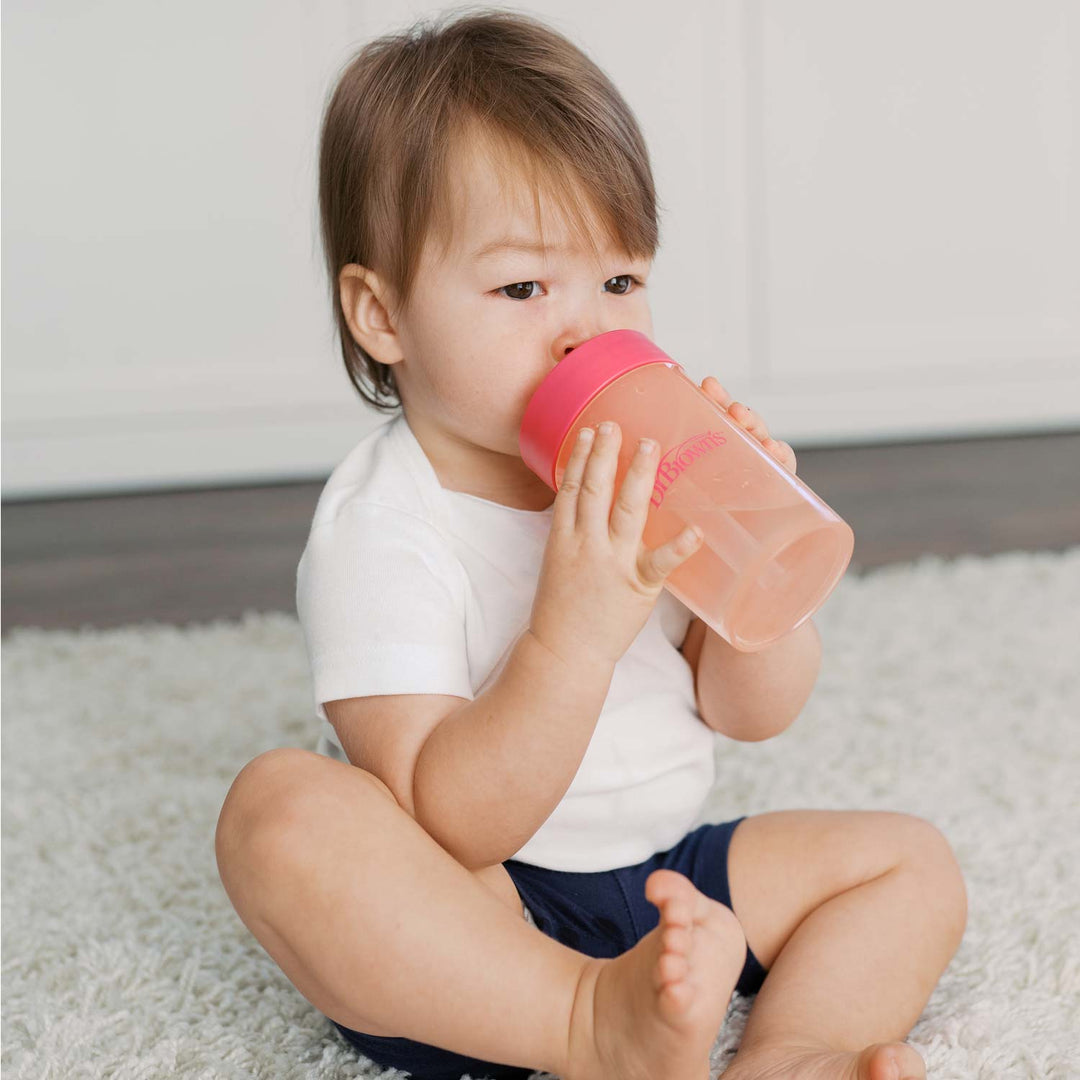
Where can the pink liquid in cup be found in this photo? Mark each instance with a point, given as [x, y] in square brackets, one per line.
[772, 550]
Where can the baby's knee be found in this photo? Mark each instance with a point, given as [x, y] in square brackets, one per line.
[931, 853]
[262, 798]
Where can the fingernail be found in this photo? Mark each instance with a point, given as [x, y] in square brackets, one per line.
[607, 427]
[646, 446]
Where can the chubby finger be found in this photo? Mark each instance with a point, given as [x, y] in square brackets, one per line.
[750, 420]
[631, 506]
[713, 388]
[655, 564]
[564, 517]
[782, 451]
[594, 499]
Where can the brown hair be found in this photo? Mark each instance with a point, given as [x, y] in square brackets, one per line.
[399, 109]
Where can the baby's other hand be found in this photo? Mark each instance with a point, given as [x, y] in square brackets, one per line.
[747, 418]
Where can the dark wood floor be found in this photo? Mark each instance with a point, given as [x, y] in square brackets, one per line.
[191, 556]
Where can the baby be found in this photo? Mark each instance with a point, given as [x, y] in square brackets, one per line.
[492, 864]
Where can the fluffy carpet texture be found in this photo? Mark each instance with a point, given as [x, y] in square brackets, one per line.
[948, 689]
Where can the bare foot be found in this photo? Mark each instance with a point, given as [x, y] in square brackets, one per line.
[879, 1061]
[654, 1012]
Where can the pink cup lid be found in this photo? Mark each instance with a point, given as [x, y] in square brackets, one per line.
[571, 385]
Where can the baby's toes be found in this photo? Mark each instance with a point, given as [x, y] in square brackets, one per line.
[674, 896]
[671, 967]
[677, 939]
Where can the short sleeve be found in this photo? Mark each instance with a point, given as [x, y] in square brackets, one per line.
[381, 602]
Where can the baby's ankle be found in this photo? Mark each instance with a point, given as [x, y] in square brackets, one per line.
[582, 1059]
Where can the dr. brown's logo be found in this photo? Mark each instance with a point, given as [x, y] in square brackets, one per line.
[680, 458]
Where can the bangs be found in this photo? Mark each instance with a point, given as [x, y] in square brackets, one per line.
[592, 209]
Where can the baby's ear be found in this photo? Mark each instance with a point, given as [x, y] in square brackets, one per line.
[363, 296]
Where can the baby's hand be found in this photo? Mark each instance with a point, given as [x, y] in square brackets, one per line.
[599, 581]
[747, 418]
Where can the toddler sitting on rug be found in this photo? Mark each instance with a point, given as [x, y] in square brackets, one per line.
[493, 864]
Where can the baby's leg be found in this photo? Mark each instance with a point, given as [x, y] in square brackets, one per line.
[384, 932]
[855, 915]
[377, 926]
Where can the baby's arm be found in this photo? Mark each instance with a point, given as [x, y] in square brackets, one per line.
[492, 772]
[754, 696]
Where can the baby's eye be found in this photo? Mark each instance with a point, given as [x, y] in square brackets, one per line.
[517, 285]
[628, 278]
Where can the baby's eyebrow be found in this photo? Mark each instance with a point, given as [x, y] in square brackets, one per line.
[529, 246]
[514, 243]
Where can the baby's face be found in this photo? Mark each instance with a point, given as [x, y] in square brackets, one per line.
[486, 324]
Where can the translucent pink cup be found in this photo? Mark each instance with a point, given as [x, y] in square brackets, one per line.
[772, 550]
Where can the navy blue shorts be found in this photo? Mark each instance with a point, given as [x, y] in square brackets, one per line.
[600, 914]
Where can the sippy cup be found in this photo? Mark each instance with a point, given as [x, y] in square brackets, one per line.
[772, 551]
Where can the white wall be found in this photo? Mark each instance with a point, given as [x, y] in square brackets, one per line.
[871, 228]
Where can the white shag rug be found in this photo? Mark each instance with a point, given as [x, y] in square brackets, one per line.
[948, 689]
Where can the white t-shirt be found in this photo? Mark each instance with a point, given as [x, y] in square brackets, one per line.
[406, 587]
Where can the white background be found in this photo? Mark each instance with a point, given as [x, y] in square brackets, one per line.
[870, 223]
